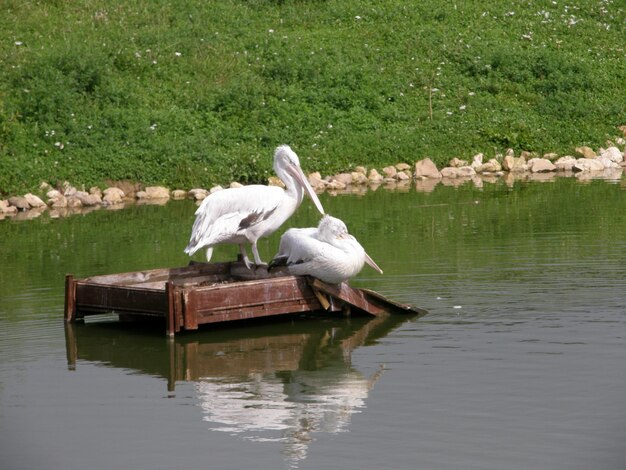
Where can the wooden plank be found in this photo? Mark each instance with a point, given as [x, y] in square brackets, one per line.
[250, 299]
[354, 297]
[171, 308]
[70, 299]
[97, 298]
[161, 275]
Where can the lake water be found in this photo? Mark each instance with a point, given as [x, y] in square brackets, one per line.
[520, 364]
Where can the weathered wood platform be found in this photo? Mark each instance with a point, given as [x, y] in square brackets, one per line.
[203, 293]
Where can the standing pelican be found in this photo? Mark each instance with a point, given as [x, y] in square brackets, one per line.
[327, 252]
[243, 215]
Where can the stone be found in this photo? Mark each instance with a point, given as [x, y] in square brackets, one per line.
[345, 178]
[426, 168]
[217, 188]
[179, 194]
[34, 201]
[541, 165]
[466, 171]
[374, 177]
[565, 163]
[53, 194]
[492, 166]
[588, 164]
[19, 202]
[403, 166]
[88, 200]
[6, 207]
[113, 195]
[74, 202]
[68, 189]
[358, 177]
[336, 184]
[361, 169]
[390, 171]
[607, 162]
[45, 186]
[586, 152]
[129, 189]
[95, 190]
[58, 202]
[457, 163]
[613, 153]
[198, 194]
[551, 156]
[155, 192]
[509, 153]
[315, 179]
[235, 184]
[477, 161]
[449, 172]
[508, 162]
[275, 181]
[402, 176]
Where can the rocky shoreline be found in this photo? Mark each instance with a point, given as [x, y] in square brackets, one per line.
[608, 163]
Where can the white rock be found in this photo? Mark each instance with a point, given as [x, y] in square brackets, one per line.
[374, 177]
[6, 208]
[588, 164]
[565, 163]
[113, 195]
[179, 194]
[477, 161]
[215, 189]
[34, 201]
[540, 165]
[426, 169]
[613, 153]
[154, 192]
[198, 193]
[235, 184]
[390, 171]
[607, 162]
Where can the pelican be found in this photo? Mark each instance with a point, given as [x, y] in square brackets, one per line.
[327, 252]
[243, 215]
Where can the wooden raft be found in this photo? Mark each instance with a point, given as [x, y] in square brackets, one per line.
[202, 293]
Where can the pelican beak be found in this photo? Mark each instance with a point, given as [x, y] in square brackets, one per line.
[297, 173]
[371, 262]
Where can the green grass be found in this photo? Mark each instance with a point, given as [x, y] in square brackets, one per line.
[200, 92]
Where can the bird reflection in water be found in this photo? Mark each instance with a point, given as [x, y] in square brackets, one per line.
[289, 406]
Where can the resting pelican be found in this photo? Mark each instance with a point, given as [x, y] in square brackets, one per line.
[327, 252]
[243, 215]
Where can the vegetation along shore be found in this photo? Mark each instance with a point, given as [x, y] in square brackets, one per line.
[196, 94]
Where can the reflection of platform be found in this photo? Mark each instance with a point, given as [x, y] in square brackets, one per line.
[266, 348]
[281, 382]
[203, 293]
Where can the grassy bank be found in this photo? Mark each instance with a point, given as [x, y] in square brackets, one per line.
[200, 92]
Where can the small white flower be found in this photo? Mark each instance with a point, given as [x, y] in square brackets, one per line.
[462, 107]
[153, 127]
[357, 17]
[177, 54]
[18, 43]
[270, 31]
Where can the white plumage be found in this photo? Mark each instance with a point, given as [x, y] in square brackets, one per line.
[243, 215]
[327, 252]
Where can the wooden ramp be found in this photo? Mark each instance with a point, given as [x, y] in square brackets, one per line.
[187, 297]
